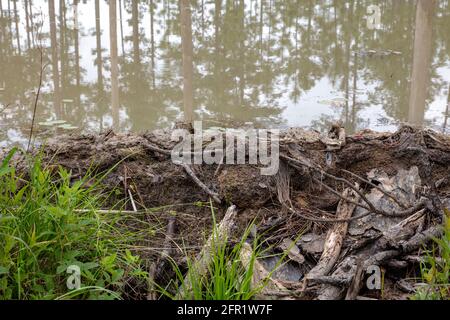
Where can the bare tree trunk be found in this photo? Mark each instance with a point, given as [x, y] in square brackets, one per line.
[420, 77]
[121, 28]
[77, 46]
[114, 63]
[2, 30]
[62, 43]
[98, 34]
[10, 25]
[27, 25]
[135, 22]
[16, 21]
[31, 20]
[55, 68]
[187, 53]
[152, 40]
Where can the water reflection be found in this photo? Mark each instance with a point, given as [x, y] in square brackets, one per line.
[144, 64]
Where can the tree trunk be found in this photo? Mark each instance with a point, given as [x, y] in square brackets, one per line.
[135, 22]
[55, 67]
[16, 21]
[420, 77]
[114, 63]
[187, 53]
[77, 46]
[98, 34]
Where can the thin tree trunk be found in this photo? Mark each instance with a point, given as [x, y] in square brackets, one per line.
[55, 68]
[121, 29]
[10, 36]
[77, 46]
[98, 34]
[31, 20]
[2, 31]
[114, 63]
[16, 20]
[62, 41]
[27, 25]
[187, 53]
[135, 22]
[420, 78]
[261, 8]
[152, 40]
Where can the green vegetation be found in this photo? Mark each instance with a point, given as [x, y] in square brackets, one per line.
[48, 223]
[435, 270]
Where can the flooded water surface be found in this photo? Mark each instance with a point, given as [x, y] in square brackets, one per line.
[136, 65]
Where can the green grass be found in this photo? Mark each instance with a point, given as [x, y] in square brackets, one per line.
[435, 270]
[48, 223]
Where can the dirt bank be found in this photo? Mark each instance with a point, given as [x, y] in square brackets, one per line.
[351, 202]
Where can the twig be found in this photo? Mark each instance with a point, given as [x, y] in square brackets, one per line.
[325, 220]
[370, 207]
[41, 73]
[132, 201]
[388, 194]
[356, 284]
[191, 173]
[156, 149]
[5, 107]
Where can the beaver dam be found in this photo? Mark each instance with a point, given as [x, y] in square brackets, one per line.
[340, 209]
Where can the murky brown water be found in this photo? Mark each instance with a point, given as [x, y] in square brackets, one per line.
[271, 63]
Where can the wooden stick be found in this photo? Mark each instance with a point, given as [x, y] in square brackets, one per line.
[356, 284]
[191, 173]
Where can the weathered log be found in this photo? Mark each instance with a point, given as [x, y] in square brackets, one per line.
[199, 267]
[335, 237]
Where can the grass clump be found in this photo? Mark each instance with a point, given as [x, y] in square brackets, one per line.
[435, 270]
[47, 224]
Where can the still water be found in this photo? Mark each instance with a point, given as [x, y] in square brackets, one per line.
[135, 65]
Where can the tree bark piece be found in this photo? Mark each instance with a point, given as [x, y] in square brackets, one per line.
[335, 237]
